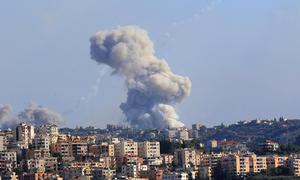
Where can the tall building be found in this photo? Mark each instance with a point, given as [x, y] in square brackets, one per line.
[24, 133]
[2, 142]
[127, 148]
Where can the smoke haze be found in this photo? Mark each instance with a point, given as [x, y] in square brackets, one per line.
[33, 114]
[153, 88]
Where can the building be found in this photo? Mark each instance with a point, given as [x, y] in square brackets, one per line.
[35, 165]
[183, 134]
[103, 173]
[167, 159]
[79, 149]
[107, 149]
[196, 126]
[50, 130]
[127, 148]
[175, 176]
[213, 144]
[185, 157]
[205, 172]
[130, 170]
[269, 145]
[24, 133]
[8, 156]
[237, 165]
[2, 142]
[41, 142]
[149, 149]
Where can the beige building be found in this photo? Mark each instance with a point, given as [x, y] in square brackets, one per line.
[107, 149]
[8, 155]
[24, 133]
[243, 164]
[167, 158]
[50, 130]
[257, 163]
[2, 142]
[185, 157]
[127, 148]
[149, 149]
[183, 134]
[295, 165]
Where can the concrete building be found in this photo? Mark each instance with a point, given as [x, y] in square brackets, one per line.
[167, 159]
[79, 149]
[2, 142]
[127, 148]
[35, 165]
[270, 145]
[183, 134]
[196, 126]
[41, 142]
[107, 149]
[24, 133]
[130, 170]
[185, 157]
[213, 144]
[295, 166]
[149, 149]
[175, 176]
[50, 130]
[8, 156]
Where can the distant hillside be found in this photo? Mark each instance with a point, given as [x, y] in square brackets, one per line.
[282, 130]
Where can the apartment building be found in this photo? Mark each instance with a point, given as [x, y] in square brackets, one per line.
[185, 157]
[127, 148]
[175, 176]
[107, 149]
[149, 149]
[24, 133]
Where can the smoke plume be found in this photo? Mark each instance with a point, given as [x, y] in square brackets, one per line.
[6, 120]
[33, 114]
[153, 88]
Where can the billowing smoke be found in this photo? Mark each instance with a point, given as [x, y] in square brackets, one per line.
[33, 114]
[39, 115]
[153, 88]
[6, 121]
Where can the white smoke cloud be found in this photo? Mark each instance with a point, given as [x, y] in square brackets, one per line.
[33, 114]
[152, 87]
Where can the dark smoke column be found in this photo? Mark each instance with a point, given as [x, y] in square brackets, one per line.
[153, 88]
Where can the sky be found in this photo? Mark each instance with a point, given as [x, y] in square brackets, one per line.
[243, 57]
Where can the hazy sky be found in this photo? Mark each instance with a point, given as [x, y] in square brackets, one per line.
[243, 57]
